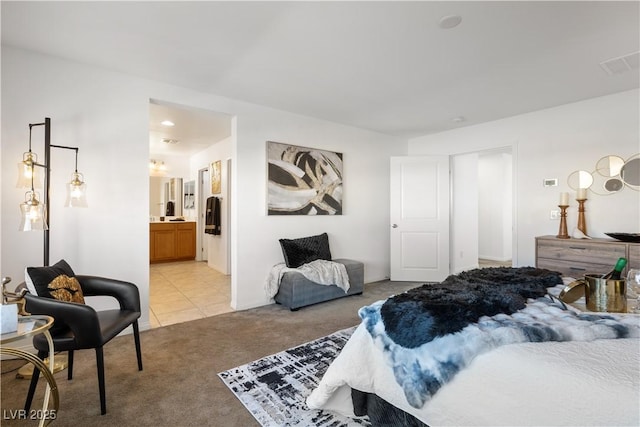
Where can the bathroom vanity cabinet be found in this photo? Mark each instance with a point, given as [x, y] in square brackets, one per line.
[172, 241]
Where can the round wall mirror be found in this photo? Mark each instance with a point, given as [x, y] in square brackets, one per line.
[609, 165]
[630, 172]
[613, 185]
[605, 186]
[580, 179]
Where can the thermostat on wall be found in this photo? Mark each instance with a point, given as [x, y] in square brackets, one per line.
[550, 182]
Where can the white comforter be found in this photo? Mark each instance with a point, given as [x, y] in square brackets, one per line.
[572, 383]
[319, 271]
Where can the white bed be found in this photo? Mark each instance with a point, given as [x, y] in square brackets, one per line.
[572, 383]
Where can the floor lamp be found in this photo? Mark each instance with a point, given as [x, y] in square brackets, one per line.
[35, 213]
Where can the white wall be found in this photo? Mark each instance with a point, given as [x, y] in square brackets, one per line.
[552, 143]
[494, 206]
[106, 114]
[361, 233]
[218, 254]
[464, 215]
[177, 166]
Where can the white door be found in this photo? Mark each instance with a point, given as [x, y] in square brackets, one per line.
[420, 218]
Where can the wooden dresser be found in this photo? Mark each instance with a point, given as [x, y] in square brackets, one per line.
[575, 257]
[172, 241]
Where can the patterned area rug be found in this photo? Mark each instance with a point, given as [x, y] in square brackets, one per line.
[274, 389]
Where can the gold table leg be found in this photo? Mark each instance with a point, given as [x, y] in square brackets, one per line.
[52, 387]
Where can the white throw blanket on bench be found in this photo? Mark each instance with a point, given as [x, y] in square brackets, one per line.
[319, 271]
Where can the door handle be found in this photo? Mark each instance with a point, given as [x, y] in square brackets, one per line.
[394, 225]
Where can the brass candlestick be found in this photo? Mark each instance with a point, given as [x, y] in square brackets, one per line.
[582, 223]
[562, 233]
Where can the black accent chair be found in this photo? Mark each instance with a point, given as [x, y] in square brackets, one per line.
[79, 326]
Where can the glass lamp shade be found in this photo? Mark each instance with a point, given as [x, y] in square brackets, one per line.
[76, 192]
[27, 170]
[32, 213]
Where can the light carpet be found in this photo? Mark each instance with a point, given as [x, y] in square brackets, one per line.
[274, 389]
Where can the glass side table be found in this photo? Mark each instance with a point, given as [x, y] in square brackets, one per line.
[30, 326]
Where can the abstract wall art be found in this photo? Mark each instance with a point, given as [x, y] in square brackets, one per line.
[303, 181]
[216, 181]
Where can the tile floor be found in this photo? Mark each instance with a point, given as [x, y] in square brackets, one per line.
[187, 290]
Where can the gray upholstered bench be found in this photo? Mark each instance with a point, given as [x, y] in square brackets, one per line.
[297, 291]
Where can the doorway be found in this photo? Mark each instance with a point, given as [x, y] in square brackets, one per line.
[186, 290]
[183, 144]
[482, 214]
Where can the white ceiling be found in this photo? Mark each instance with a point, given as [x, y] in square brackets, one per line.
[194, 129]
[384, 66]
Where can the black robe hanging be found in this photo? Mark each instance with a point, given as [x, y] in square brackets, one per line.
[212, 217]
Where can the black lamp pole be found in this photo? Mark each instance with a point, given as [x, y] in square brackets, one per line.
[47, 178]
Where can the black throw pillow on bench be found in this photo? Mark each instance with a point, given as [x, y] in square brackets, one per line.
[306, 249]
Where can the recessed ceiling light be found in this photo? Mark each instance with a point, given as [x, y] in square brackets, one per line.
[167, 123]
[458, 119]
[449, 21]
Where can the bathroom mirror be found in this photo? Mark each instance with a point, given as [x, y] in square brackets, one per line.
[609, 166]
[189, 197]
[165, 196]
[630, 172]
[580, 179]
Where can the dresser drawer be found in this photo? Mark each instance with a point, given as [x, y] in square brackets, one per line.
[573, 269]
[588, 253]
[634, 256]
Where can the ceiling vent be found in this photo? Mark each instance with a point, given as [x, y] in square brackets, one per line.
[621, 64]
[170, 141]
